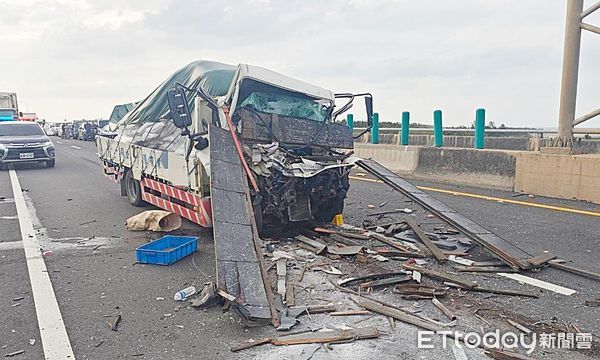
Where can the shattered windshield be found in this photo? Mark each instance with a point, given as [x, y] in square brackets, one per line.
[297, 106]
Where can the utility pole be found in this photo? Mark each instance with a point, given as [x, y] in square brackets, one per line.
[570, 72]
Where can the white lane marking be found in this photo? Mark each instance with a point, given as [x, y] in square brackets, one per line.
[60, 142]
[55, 339]
[75, 147]
[15, 217]
[539, 283]
[11, 245]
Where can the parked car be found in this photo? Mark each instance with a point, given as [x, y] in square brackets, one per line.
[24, 142]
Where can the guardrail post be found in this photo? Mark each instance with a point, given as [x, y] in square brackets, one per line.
[404, 130]
[479, 128]
[438, 133]
[375, 129]
[350, 121]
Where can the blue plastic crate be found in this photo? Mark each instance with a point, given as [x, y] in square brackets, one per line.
[166, 250]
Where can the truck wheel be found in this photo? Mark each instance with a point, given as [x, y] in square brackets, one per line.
[134, 192]
[50, 163]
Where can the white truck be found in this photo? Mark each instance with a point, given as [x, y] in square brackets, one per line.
[285, 129]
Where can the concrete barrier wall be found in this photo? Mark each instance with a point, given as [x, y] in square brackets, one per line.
[454, 141]
[560, 176]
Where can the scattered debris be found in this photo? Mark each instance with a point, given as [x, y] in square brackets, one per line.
[519, 326]
[313, 245]
[344, 250]
[442, 276]
[281, 277]
[208, 297]
[594, 302]
[185, 293]
[15, 353]
[31, 342]
[87, 222]
[444, 309]
[114, 326]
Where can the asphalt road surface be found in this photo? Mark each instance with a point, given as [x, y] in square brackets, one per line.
[78, 219]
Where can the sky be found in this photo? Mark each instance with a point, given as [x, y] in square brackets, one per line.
[71, 59]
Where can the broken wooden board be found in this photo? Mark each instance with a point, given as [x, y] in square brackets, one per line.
[503, 249]
[323, 337]
[238, 266]
[385, 282]
[420, 290]
[343, 240]
[389, 241]
[316, 246]
[376, 276]
[485, 269]
[541, 259]
[510, 292]
[343, 250]
[437, 253]
[394, 313]
[574, 270]
[350, 313]
[442, 276]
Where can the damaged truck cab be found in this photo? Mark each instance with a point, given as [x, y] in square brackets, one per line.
[294, 152]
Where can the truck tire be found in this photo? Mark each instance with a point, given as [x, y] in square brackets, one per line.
[50, 163]
[133, 189]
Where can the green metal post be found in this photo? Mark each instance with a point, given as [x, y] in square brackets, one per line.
[479, 128]
[438, 133]
[350, 121]
[375, 129]
[405, 128]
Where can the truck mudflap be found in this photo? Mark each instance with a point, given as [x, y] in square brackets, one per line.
[240, 268]
[503, 249]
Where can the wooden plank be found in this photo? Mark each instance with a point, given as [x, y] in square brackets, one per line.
[326, 336]
[343, 240]
[386, 282]
[501, 291]
[484, 269]
[394, 313]
[350, 313]
[449, 314]
[541, 259]
[281, 275]
[389, 241]
[574, 270]
[317, 246]
[442, 276]
[437, 252]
